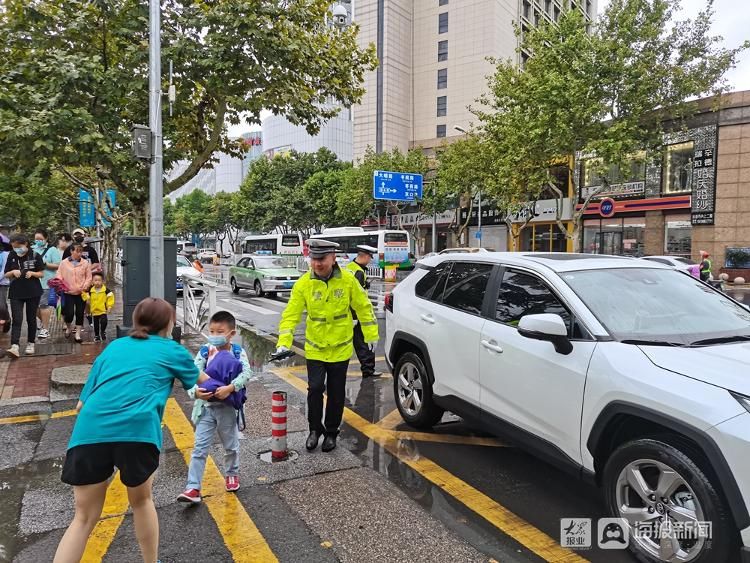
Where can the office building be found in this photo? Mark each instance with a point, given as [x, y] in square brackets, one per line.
[433, 63]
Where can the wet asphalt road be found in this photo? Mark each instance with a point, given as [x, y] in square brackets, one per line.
[540, 494]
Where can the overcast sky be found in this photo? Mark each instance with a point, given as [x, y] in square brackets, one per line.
[731, 21]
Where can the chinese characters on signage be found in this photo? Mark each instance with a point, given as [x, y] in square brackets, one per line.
[490, 216]
[704, 190]
[626, 190]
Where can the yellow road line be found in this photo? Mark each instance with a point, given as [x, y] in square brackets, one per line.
[391, 420]
[241, 536]
[113, 513]
[450, 439]
[36, 417]
[503, 519]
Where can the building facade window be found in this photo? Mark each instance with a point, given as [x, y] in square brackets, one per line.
[442, 2]
[443, 50]
[442, 106]
[527, 9]
[443, 23]
[678, 236]
[442, 78]
[440, 132]
[677, 168]
[615, 236]
[628, 181]
[543, 237]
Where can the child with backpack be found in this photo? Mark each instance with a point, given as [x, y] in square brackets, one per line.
[218, 404]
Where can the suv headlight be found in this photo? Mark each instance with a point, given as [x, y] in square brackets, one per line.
[742, 399]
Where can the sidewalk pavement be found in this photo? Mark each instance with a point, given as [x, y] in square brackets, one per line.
[28, 379]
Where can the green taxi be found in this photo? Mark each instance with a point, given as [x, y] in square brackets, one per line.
[264, 274]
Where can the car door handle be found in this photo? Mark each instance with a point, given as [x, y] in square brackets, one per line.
[428, 319]
[492, 345]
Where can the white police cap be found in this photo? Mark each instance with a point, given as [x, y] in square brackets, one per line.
[367, 249]
[319, 247]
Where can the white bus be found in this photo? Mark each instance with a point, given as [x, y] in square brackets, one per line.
[393, 245]
[289, 244]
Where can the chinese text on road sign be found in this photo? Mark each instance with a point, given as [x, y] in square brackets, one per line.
[397, 186]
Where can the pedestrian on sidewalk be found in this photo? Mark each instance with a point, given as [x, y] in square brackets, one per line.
[328, 294]
[88, 251]
[218, 404]
[5, 250]
[4, 318]
[24, 269]
[358, 267]
[100, 301]
[75, 271]
[51, 257]
[119, 426]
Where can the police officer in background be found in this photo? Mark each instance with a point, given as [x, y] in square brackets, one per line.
[358, 267]
[328, 294]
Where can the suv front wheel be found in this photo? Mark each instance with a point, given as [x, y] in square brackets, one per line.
[413, 392]
[666, 498]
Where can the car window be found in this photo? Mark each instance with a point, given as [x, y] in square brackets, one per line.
[523, 294]
[183, 262]
[242, 263]
[683, 261]
[431, 286]
[250, 264]
[466, 286]
[659, 260]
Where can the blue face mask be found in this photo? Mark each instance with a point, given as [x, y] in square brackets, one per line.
[21, 250]
[39, 243]
[218, 340]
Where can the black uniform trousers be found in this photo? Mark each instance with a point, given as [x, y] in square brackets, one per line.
[364, 354]
[327, 377]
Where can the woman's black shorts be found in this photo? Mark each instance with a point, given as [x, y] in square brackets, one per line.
[94, 463]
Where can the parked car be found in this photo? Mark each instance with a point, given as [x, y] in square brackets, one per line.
[627, 373]
[206, 255]
[184, 266]
[677, 262]
[468, 250]
[263, 274]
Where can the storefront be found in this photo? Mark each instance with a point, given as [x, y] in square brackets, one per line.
[541, 231]
[652, 207]
[493, 234]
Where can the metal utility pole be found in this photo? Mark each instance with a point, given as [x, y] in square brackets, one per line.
[479, 226]
[156, 188]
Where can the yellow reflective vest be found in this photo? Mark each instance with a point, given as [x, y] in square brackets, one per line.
[354, 267]
[329, 305]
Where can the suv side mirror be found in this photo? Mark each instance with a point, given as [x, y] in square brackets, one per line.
[548, 327]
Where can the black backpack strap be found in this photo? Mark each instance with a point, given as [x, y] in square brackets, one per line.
[241, 417]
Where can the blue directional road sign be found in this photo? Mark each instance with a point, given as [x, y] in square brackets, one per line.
[397, 186]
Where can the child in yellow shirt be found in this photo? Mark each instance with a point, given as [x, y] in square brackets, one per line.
[100, 301]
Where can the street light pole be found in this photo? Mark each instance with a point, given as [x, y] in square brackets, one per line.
[156, 188]
[479, 230]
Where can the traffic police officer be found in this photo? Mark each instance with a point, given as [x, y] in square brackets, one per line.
[705, 266]
[358, 267]
[328, 294]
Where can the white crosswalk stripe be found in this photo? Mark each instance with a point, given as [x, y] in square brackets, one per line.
[247, 306]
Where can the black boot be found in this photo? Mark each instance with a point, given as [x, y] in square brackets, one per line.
[329, 443]
[312, 440]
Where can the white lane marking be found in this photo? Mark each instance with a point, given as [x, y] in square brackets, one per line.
[254, 308]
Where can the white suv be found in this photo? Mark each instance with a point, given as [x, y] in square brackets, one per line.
[630, 374]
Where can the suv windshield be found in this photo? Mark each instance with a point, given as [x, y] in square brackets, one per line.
[658, 305]
[269, 263]
[182, 261]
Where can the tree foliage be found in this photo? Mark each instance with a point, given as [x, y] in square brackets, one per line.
[606, 93]
[33, 203]
[74, 78]
[355, 202]
[274, 194]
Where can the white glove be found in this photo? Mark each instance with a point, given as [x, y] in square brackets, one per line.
[281, 350]
[371, 346]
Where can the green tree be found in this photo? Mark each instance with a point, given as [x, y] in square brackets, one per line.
[73, 79]
[320, 191]
[32, 203]
[606, 93]
[273, 194]
[193, 215]
[355, 201]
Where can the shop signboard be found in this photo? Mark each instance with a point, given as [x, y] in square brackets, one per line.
[704, 189]
[490, 216]
[410, 219]
[616, 191]
[544, 210]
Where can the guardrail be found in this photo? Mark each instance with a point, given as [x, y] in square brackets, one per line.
[198, 303]
[217, 274]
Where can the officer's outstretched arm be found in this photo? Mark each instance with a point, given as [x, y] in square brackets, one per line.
[291, 317]
[365, 313]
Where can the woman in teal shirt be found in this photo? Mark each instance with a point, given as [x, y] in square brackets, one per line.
[119, 426]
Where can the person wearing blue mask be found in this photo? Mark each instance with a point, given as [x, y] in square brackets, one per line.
[211, 413]
[24, 268]
[51, 257]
